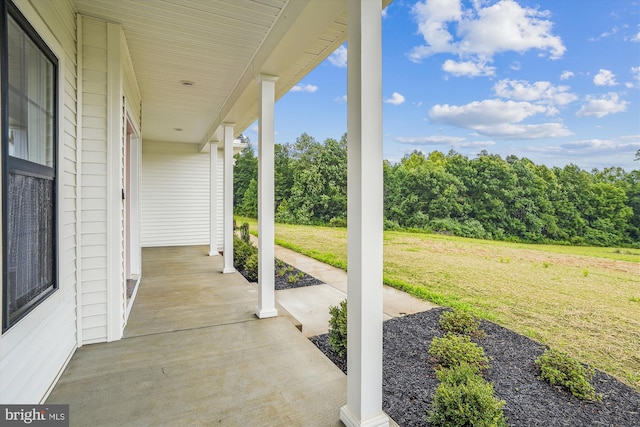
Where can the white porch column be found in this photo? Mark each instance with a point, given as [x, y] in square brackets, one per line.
[213, 199]
[228, 198]
[266, 198]
[364, 215]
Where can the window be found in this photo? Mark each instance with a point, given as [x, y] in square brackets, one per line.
[29, 133]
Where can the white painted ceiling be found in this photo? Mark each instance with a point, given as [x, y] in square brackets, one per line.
[221, 46]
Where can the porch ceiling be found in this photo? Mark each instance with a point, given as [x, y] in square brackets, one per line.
[221, 46]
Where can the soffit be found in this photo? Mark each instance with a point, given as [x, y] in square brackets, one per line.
[222, 46]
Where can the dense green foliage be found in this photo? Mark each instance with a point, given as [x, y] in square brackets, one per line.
[559, 368]
[461, 322]
[484, 197]
[338, 328]
[453, 350]
[245, 255]
[463, 398]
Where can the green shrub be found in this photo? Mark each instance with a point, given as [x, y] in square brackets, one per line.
[338, 328]
[251, 267]
[463, 398]
[559, 368]
[244, 232]
[452, 350]
[461, 322]
[338, 222]
[241, 252]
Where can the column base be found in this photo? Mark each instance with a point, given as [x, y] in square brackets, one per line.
[350, 420]
[266, 313]
[228, 270]
[216, 253]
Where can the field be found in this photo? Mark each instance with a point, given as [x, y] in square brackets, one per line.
[582, 300]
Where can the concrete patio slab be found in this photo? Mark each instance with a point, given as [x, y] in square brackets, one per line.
[195, 354]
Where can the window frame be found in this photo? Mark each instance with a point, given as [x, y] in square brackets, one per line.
[17, 165]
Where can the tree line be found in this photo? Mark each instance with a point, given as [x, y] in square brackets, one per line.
[484, 197]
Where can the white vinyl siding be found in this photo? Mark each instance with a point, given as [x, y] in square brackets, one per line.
[36, 349]
[94, 180]
[175, 195]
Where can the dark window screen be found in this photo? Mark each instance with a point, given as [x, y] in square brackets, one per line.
[30, 240]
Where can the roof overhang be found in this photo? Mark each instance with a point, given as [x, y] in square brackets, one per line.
[222, 47]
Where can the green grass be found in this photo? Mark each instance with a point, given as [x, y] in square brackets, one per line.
[580, 300]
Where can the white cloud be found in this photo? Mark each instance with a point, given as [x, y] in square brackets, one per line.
[384, 12]
[481, 113]
[428, 140]
[636, 38]
[341, 99]
[304, 88]
[452, 141]
[566, 75]
[339, 57]
[603, 106]
[542, 92]
[467, 68]
[396, 99]
[498, 118]
[604, 78]
[476, 34]
[635, 72]
[604, 145]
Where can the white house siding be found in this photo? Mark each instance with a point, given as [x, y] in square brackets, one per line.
[35, 351]
[175, 195]
[94, 180]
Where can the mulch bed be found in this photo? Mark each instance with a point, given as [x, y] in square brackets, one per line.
[409, 379]
[290, 277]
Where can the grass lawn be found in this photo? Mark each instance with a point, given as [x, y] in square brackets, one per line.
[582, 300]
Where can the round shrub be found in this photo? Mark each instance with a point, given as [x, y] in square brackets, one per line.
[461, 322]
[338, 328]
[453, 350]
[463, 398]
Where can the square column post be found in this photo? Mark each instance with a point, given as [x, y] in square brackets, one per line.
[213, 199]
[364, 215]
[228, 198]
[266, 198]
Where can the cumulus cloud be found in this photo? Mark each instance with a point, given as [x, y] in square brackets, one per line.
[467, 68]
[339, 57]
[604, 78]
[566, 75]
[635, 72]
[636, 38]
[603, 106]
[478, 33]
[498, 118]
[452, 141]
[304, 88]
[396, 99]
[542, 92]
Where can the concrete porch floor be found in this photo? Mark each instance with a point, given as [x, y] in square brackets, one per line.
[194, 353]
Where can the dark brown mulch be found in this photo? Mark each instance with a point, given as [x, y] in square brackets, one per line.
[409, 379]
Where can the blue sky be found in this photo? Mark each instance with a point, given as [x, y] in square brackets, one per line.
[556, 81]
